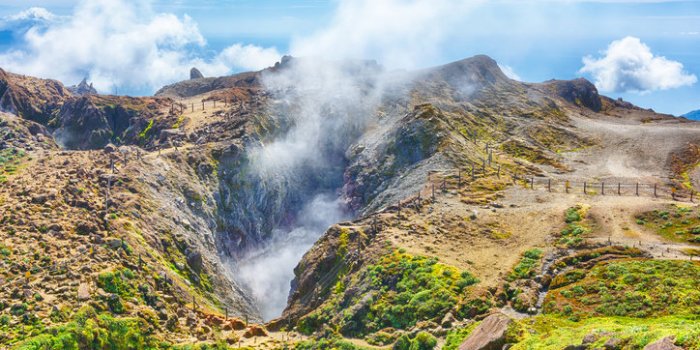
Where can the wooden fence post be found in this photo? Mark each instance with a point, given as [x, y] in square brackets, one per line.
[433, 192]
[602, 188]
[498, 172]
[532, 183]
[585, 190]
[549, 185]
[618, 189]
[636, 189]
[192, 107]
[459, 178]
[566, 186]
[654, 190]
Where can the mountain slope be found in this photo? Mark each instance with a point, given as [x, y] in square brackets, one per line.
[694, 115]
[464, 190]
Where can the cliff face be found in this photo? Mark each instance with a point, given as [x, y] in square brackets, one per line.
[32, 98]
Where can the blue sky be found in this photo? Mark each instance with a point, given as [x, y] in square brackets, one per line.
[536, 39]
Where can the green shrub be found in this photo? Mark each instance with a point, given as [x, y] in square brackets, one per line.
[526, 267]
[116, 282]
[423, 341]
[573, 214]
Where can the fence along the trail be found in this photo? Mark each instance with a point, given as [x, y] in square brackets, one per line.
[614, 188]
[593, 188]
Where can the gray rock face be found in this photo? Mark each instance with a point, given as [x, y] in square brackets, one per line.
[195, 74]
[489, 335]
[663, 344]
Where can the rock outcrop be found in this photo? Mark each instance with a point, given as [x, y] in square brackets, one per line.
[83, 88]
[195, 74]
[489, 335]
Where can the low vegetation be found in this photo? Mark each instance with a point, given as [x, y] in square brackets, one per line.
[676, 223]
[10, 159]
[572, 234]
[398, 291]
[631, 288]
[525, 269]
[547, 332]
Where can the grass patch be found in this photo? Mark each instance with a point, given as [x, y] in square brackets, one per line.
[633, 288]
[546, 332]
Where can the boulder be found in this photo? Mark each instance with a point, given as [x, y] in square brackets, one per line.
[663, 344]
[489, 335]
[255, 331]
[613, 343]
[83, 292]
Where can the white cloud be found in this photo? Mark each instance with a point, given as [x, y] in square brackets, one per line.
[123, 44]
[509, 72]
[23, 21]
[629, 65]
[398, 33]
[248, 57]
[33, 13]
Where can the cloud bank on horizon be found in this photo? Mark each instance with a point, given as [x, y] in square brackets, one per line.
[119, 44]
